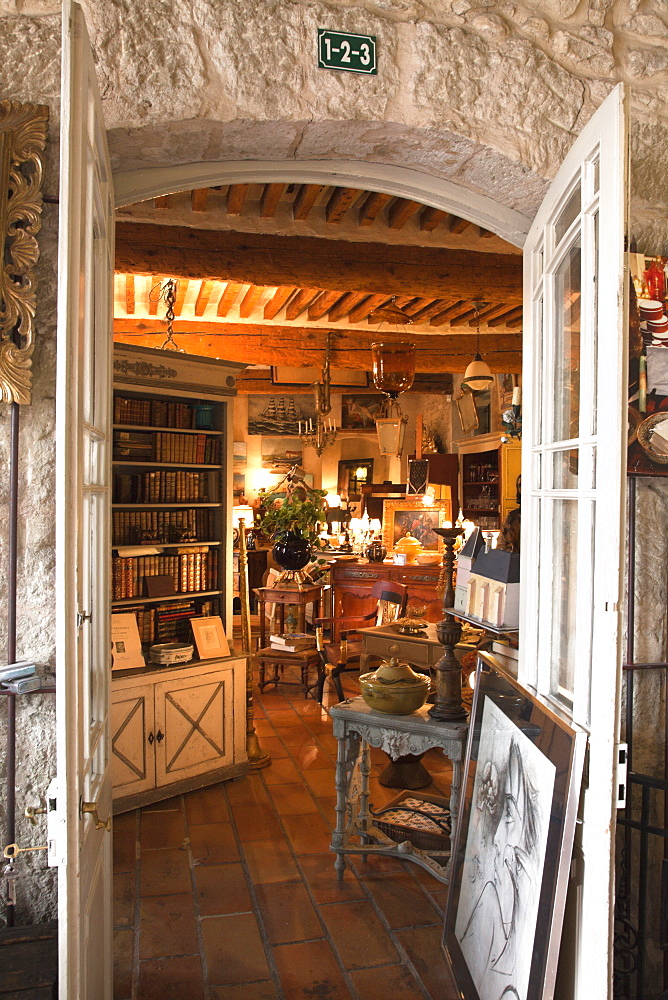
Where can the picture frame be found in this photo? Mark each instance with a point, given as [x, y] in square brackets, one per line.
[279, 414]
[285, 375]
[468, 412]
[522, 776]
[505, 384]
[210, 638]
[348, 483]
[409, 514]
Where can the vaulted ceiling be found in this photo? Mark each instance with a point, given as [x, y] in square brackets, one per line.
[264, 271]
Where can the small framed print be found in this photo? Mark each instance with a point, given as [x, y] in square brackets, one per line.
[210, 637]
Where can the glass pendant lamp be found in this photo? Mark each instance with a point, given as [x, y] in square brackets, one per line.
[478, 375]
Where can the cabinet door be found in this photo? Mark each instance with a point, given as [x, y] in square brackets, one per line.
[511, 466]
[194, 717]
[132, 735]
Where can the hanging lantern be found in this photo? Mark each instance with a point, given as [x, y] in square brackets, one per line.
[393, 372]
[391, 428]
[478, 375]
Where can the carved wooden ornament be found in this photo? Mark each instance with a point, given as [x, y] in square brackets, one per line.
[22, 142]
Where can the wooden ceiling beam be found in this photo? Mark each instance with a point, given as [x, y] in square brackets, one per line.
[251, 300]
[339, 203]
[129, 294]
[229, 297]
[322, 305]
[295, 345]
[344, 305]
[456, 309]
[203, 296]
[278, 300]
[400, 212]
[489, 312]
[235, 198]
[270, 198]
[301, 301]
[162, 201]
[433, 306]
[331, 265]
[463, 318]
[430, 218]
[372, 207]
[305, 199]
[198, 199]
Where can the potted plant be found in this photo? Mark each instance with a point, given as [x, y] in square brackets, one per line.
[293, 521]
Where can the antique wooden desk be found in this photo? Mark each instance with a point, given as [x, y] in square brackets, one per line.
[357, 727]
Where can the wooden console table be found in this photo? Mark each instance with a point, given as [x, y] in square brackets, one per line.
[357, 727]
[352, 582]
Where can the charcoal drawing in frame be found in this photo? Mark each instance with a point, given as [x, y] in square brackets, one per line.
[512, 847]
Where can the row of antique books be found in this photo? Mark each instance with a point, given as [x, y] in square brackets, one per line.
[168, 622]
[153, 413]
[191, 570]
[162, 446]
[161, 487]
[133, 527]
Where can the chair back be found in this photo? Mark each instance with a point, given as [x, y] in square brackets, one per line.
[392, 600]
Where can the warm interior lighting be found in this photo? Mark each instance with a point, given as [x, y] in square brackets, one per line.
[361, 473]
[333, 500]
[242, 512]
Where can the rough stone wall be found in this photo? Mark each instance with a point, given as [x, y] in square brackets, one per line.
[30, 72]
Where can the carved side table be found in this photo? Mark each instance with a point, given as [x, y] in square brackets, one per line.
[357, 727]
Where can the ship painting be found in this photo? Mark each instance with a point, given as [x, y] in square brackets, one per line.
[278, 456]
[278, 414]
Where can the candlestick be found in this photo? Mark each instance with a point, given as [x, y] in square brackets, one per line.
[448, 705]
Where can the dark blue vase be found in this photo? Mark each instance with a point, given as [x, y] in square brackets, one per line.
[291, 551]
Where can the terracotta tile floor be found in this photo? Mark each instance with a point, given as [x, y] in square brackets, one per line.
[229, 893]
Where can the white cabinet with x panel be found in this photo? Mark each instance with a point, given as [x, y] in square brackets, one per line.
[177, 729]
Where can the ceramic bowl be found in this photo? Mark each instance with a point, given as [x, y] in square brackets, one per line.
[658, 327]
[645, 430]
[394, 688]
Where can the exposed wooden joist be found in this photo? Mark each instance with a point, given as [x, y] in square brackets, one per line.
[323, 304]
[488, 312]
[302, 299]
[457, 225]
[430, 218]
[251, 300]
[375, 268]
[229, 297]
[129, 294]
[305, 199]
[339, 203]
[365, 307]
[270, 199]
[456, 309]
[372, 207]
[236, 196]
[278, 300]
[463, 318]
[400, 212]
[162, 201]
[154, 294]
[203, 297]
[198, 199]
[343, 307]
[430, 309]
[505, 317]
[181, 291]
[295, 345]
[485, 234]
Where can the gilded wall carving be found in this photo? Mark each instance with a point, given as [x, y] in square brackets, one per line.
[22, 142]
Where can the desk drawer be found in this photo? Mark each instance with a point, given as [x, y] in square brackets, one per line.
[413, 652]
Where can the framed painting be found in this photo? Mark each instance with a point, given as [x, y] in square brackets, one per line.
[511, 852]
[360, 409]
[279, 413]
[504, 390]
[468, 411]
[411, 515]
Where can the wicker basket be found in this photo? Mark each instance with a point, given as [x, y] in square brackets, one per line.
[407, 818]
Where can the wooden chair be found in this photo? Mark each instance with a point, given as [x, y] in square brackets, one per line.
[338, 657]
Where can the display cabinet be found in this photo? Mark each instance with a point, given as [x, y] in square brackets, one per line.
[171, 561]
[488, 471]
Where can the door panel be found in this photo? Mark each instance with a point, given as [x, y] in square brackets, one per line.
[85, 268]
[573, 460]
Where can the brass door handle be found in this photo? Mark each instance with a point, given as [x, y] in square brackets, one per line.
[91, 808]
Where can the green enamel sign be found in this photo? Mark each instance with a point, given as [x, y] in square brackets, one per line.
[351, 53]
